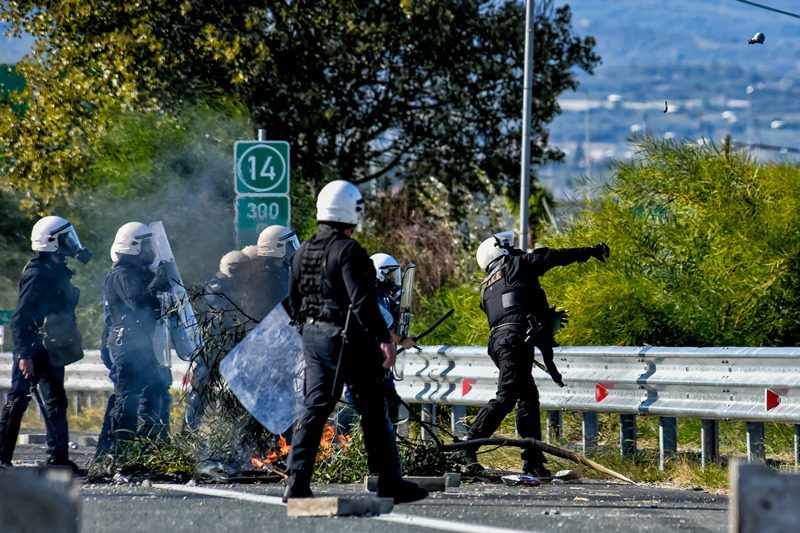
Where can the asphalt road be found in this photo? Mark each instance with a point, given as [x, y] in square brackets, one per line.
[585, 506]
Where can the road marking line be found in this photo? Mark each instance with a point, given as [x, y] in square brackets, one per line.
[245, 496]
[444, 525]
[418, 521]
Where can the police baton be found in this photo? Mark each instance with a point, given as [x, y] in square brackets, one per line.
[341, 348]
[430, 328]
[47, 422]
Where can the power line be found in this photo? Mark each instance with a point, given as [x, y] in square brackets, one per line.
[768, 8]
[767, 147]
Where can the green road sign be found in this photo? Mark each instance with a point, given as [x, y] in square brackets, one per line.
[256, 212]
[261, 167]
[5, 316]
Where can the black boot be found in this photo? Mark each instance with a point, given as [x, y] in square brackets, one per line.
[298, 486]
[535, 469]
[533, 463]
[400, 490]
[468, 457]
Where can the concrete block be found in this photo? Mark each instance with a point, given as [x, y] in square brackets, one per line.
[87, 441]
[338, 506]
[47, 500]
[32, 438]
[452, 480]
[429, 483]
[762, 500]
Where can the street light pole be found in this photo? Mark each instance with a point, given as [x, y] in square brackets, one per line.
[527, 96]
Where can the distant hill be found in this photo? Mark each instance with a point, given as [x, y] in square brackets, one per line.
[693, 54]
[690, 32]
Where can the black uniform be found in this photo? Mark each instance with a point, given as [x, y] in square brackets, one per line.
[44, 288]
[130, 292]
[329, 273]
[520, 318]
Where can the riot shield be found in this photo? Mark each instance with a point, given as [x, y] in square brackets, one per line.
[161, 338]
[179, 313]
[264, 372]
[404, 321]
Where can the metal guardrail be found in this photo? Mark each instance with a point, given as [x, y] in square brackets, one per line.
[755, 385]
[89, 375]
[752, 384]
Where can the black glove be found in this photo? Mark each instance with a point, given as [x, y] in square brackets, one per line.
[600, 251]
[160, 282]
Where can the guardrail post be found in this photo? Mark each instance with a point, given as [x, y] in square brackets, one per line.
[796, 445]
[403, 427]
[428, 415]
[627, 435]
[709, 441]
[555, 420]
[591, 429]
[667, 439]
[755, 441]
[458, 422]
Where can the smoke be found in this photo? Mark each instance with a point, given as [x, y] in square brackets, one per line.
[181, 175]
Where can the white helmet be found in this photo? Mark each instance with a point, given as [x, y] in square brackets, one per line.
[494, 247]
[129, 240]
[277, 241]
[231, 262]
[251, 251]
[56, 234]
[340, 201]
[387, 269]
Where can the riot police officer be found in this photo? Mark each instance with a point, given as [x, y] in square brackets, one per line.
[223, 324]
[520, 318]
[387, 290]
[44, 289]
[236, 300]
[130, 294]
[332, 299]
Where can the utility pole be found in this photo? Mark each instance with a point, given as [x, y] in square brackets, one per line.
[527, 96]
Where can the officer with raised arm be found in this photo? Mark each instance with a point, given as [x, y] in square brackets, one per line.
[520, 318]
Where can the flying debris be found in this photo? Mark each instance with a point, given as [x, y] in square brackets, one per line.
[758, 38]
[666, 107]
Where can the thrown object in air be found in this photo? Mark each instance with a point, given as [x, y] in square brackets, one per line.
[758, 38]
[513, 480]
[264, 372]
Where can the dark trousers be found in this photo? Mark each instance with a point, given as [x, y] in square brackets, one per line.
[51, 387]
[515, 388]
[156, 417]
[361, 369]
[139, 389]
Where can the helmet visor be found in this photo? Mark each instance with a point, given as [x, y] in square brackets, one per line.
[290, 244]
[392, 275]
[68, 242]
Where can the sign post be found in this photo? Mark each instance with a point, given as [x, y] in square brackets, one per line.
[261, 176]
[5, 319]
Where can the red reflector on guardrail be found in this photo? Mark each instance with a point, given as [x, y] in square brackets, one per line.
[466, 385]
[771, 399]
[600, 393]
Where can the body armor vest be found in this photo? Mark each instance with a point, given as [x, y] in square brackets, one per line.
[501, 300]
[313, 286]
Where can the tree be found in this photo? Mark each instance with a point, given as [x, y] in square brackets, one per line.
[361, 89]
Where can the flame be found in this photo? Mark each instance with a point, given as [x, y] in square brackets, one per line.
[273, 455]
[327, 441]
